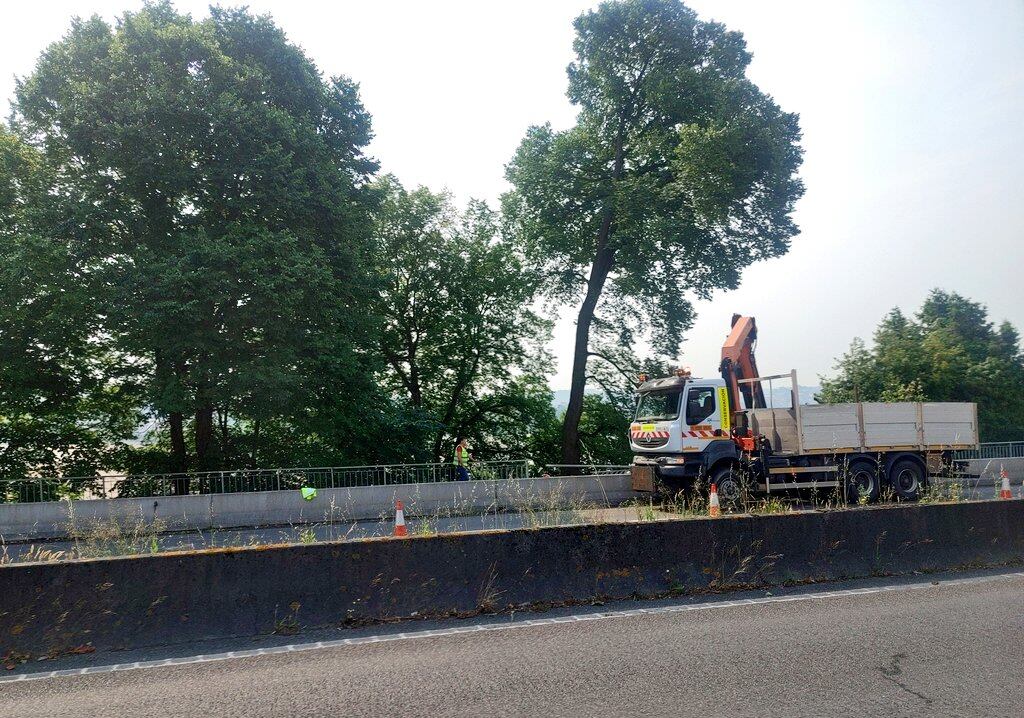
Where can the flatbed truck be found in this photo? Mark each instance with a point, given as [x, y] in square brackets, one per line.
[690, 432]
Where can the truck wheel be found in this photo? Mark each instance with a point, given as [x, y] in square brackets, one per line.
[729, 485]
[907, 479]
[862, 483]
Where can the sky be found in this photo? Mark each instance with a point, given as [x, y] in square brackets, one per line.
[912, 114]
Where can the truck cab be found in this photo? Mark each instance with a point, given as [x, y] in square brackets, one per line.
[681, 426]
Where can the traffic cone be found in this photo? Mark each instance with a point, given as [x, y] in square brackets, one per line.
[714, 508]
[1004, 492]
[400, 529]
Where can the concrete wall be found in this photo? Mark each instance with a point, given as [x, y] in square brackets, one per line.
[989, 468]
[168, 598]
[269, 508]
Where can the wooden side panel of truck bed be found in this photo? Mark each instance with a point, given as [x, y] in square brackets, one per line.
[869, 426]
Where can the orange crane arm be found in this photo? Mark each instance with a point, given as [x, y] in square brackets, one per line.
[738, 363]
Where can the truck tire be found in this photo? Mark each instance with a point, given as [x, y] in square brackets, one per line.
[907, 478]
[862, 485]
[730, 485]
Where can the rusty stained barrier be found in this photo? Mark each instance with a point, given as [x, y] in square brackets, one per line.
[171, 598]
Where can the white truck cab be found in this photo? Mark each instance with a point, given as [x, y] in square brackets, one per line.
[677, 419]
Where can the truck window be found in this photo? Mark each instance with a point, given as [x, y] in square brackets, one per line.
[658, 406]
[700, 404]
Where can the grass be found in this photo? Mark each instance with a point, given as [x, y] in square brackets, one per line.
[123, 534]
[33, 555]
[523, 504]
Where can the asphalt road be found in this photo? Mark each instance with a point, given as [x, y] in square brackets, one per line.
[934, 646]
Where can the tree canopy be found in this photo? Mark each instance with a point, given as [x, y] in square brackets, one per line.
[460, 335]
[949, 351]
[202, 268]
[678, 173]
[207, 190]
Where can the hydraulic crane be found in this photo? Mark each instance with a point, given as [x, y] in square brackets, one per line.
[738, 363]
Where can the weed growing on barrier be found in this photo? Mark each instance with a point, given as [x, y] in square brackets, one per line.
[307, 535]
[33, 555]
[119, 535]
[772, 505]
[425, 526]
[646, 512]
[289, 624]
[943, 492]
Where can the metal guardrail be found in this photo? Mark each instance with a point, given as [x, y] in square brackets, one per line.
[245, 480]
[994, 450]
[585, 469]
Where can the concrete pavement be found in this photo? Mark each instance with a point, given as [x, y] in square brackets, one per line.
[933, 646]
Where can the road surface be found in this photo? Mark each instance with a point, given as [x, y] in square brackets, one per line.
[942, 645]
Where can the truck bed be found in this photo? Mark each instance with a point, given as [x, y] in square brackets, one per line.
[868, 426]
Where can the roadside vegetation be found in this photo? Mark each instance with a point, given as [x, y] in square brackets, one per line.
[949, 351]
[524, 508]
[201, 268]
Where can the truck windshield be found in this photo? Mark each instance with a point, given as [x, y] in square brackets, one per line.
[658, 406]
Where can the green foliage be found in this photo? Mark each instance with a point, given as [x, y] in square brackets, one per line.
[463, 346]
[62, 396]
[949, 352]
[678, 173]
[199, 271]
[204, 199]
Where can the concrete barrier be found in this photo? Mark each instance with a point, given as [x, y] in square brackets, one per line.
[167, 598]
[989, 468]
[19, 522]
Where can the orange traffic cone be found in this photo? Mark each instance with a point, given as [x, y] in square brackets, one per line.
[714, 508]
[1004, 492]
[400, 529]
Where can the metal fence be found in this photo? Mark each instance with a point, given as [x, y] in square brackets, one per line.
[245, 480]
[994, 450]
[585, 469]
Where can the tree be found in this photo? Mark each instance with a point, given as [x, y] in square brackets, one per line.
[949, 352]
[213, 186]
[63, 401]
[678, 173]
[462, 343]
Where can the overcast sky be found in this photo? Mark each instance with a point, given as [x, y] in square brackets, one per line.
[912, 113]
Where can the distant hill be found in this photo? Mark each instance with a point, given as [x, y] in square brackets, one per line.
[780, 396]
[560, 398]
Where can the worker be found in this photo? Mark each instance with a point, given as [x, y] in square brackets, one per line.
[461, 459]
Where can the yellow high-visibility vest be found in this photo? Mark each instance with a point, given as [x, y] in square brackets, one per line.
[461, 456]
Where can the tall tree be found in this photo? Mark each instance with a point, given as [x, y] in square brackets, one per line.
[950, 351]
[63, 400]
[678, 173]
[214, 184]
[460, 336]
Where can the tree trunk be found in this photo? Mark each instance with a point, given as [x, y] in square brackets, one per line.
[604, 258]
[205, 454]
[464, 380]
[179, 455]
[571, 424]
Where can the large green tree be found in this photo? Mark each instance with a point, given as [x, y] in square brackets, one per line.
[208, 190]
[678, 173]
[950, 351]
[463, 344]
[64, 399]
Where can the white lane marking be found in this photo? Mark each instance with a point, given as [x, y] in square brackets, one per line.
[504, 626]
